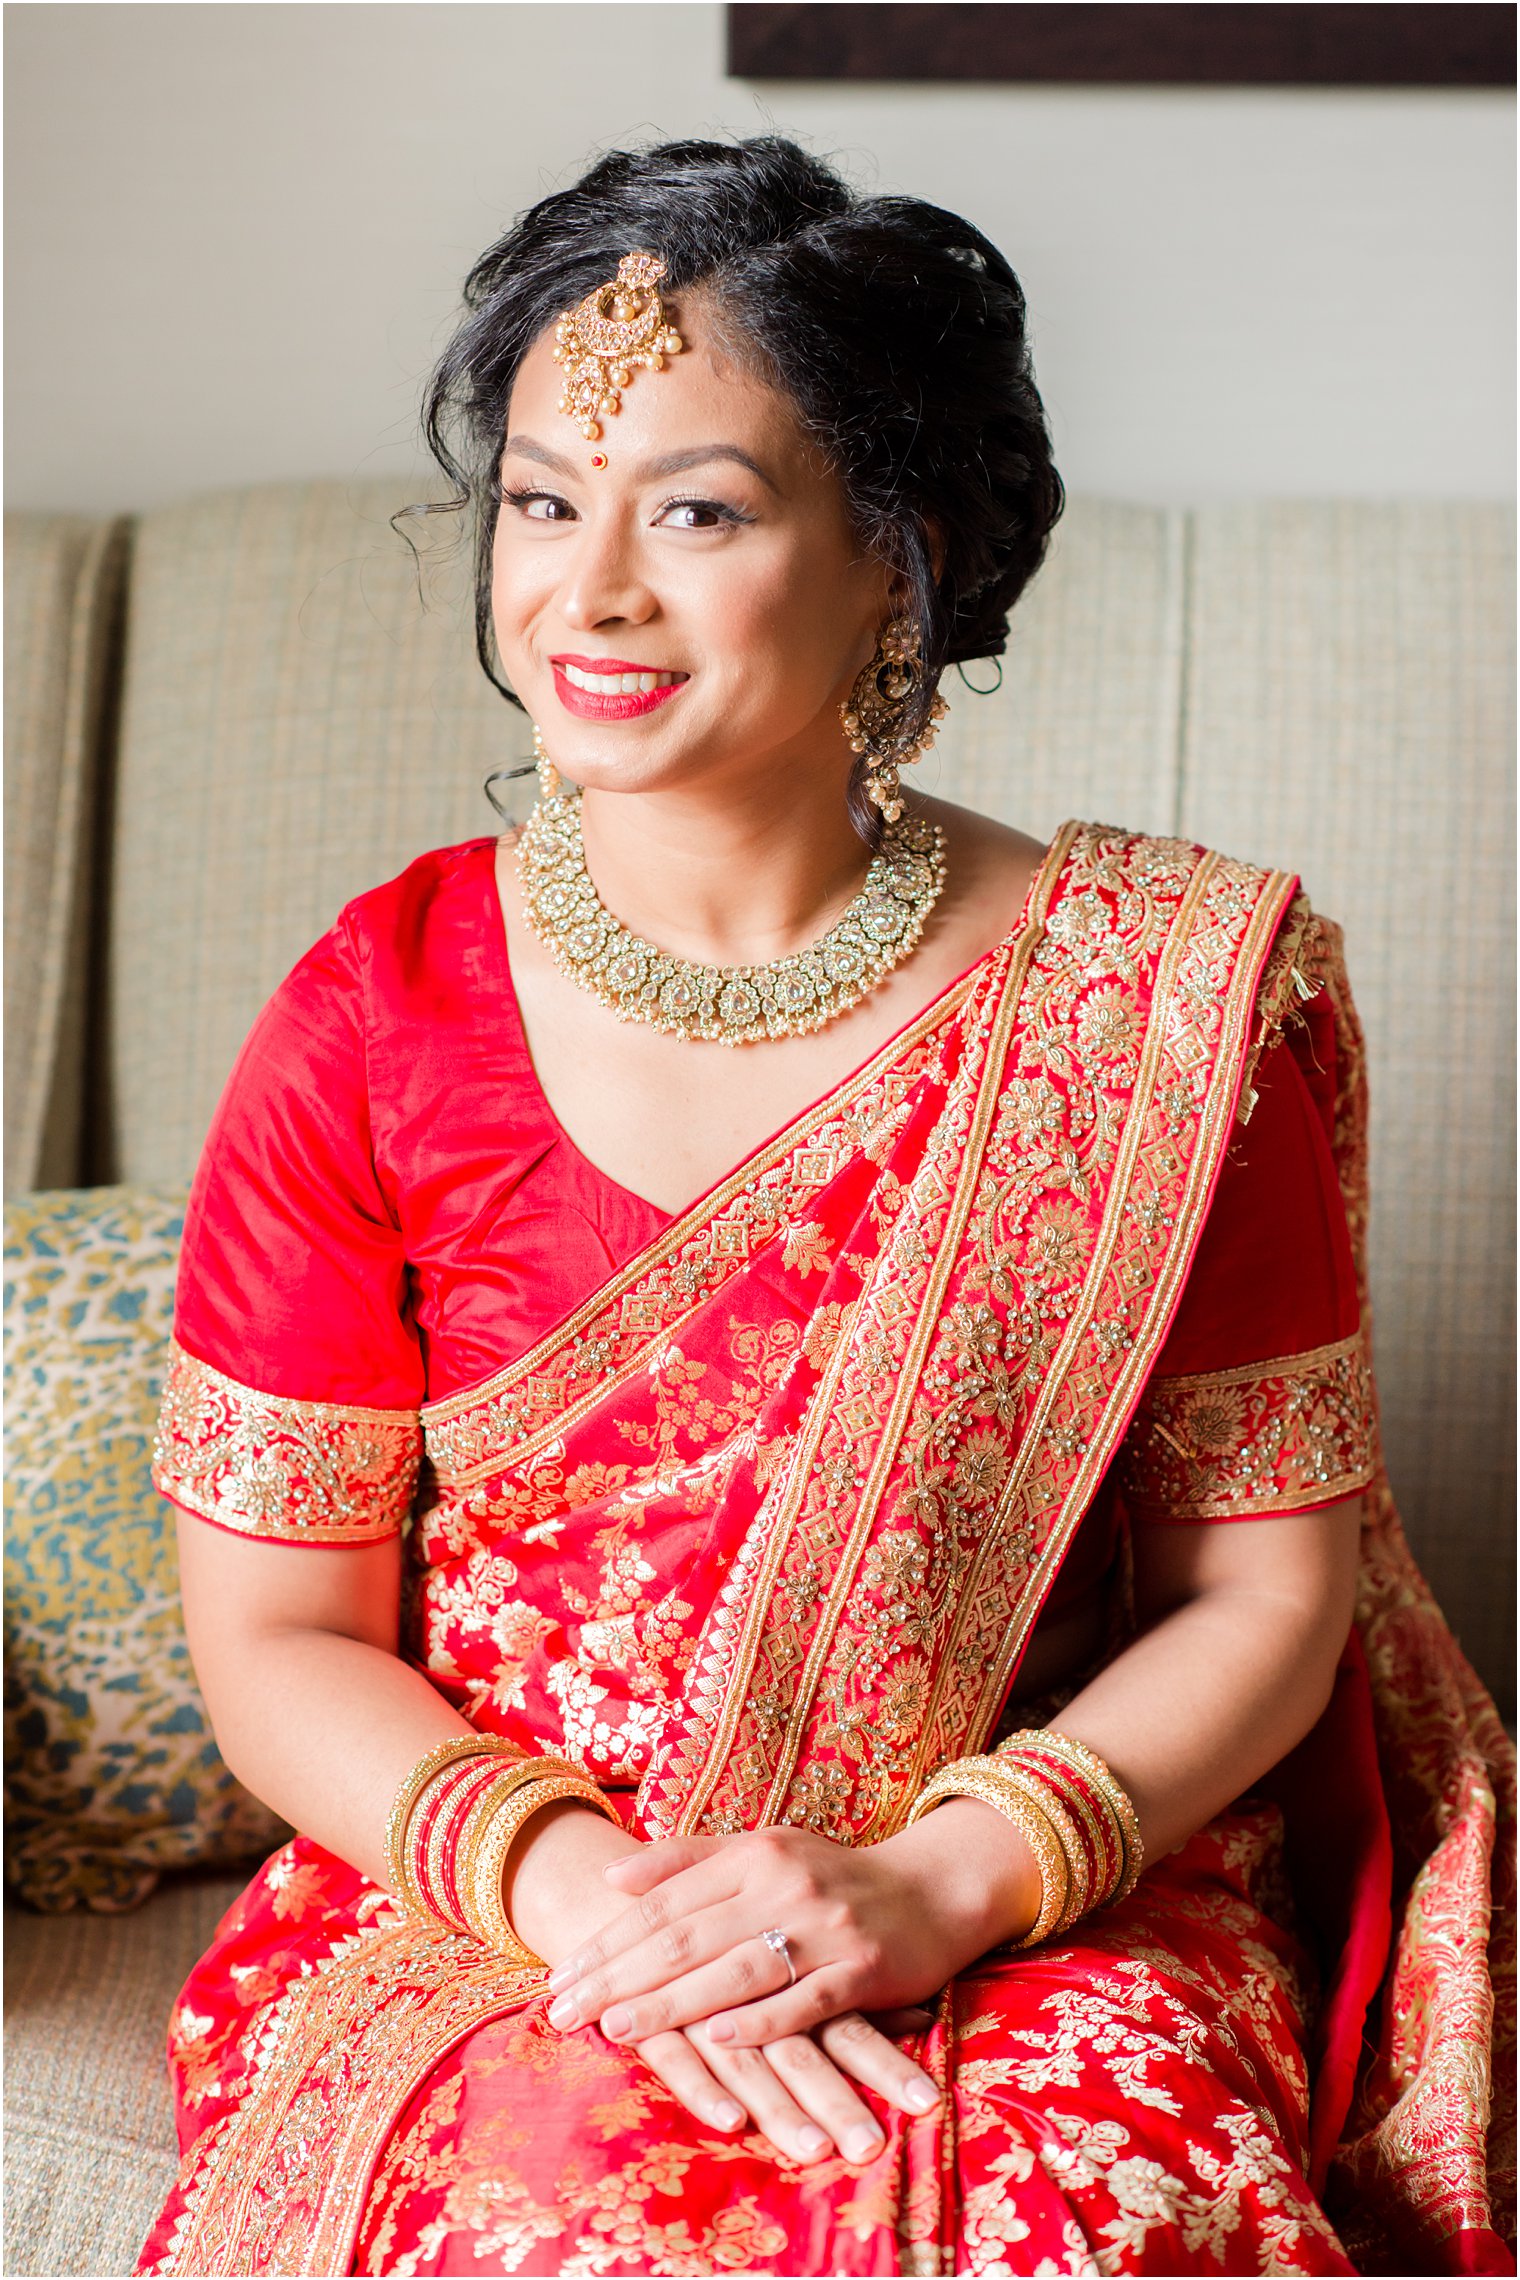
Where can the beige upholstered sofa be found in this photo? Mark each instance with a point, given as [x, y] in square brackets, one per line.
[229, 716]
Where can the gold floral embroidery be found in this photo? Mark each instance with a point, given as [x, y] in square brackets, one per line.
[350, 2041]
[532, 1403]
[1057, 1202]
[1271, 1436]
[297, 1472]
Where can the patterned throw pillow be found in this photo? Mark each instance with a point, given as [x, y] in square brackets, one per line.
[112, 1773]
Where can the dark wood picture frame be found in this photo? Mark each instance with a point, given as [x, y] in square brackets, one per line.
[1237, 44]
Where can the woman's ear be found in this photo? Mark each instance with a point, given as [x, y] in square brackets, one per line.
[898, 591]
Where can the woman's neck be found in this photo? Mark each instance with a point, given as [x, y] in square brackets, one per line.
[726, 881]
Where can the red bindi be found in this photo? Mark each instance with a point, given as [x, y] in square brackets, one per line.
[598, 458]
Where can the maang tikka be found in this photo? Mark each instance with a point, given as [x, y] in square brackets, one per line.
[879, 708]
[617, 326]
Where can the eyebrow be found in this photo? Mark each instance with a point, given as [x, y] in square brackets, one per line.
[667, 462]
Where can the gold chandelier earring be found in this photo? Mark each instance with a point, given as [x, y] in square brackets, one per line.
[880, 708]
[550, 781]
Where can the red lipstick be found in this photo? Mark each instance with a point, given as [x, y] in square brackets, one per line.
[588, 704]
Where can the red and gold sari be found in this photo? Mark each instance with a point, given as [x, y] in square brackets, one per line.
[759, 1532]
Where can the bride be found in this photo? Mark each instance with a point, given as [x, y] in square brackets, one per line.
[771, 1411]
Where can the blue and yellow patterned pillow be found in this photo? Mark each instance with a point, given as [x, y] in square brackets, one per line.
[112, 1774]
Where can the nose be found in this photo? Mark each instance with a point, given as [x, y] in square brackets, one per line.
[603, 580]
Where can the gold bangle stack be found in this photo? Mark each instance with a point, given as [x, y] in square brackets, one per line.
[497, 1822]
[1067, 1805]
[1086, 1775]
[409, 1796]
[452, 1825]
[1034, 1818]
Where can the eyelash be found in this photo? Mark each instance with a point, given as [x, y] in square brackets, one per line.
[726, 514]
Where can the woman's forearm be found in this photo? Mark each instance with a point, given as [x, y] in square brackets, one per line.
[1191, 1714]
[1202, 1706]
[325, 1729]
[327, 1737]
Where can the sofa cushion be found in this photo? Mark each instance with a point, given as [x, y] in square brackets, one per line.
[89, 2132]
[112, 1772]
[296, 726]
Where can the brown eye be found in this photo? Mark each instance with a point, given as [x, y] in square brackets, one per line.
[539, 506]
[700, 514]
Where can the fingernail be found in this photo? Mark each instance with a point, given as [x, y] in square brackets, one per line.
[863, 2142]
[720, 2030]
[729, 2115]
[920, 2095]
[811, 2140]
[617, 2021]
[562, 1975]
[564, 2013]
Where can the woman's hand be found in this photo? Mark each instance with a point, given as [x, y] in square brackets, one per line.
[560, 1902]
[869, 1929]
[797, 2089]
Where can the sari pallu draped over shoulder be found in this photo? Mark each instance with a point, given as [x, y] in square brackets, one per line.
[826, 1442]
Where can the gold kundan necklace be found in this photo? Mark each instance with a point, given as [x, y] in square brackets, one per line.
[730, 1005]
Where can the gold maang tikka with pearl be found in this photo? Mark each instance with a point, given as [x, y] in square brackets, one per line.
[618, 326]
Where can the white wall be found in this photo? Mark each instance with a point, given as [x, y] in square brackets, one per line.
[236, 235]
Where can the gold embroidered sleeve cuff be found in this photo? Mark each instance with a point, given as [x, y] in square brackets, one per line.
[294, 1472]
[1272, 1436]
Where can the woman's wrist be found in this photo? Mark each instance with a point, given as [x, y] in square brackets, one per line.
[976, 1871]
[552, 1881]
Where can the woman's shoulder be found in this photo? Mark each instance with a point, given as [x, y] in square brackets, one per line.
[999, 859]
[989, 871]
[393, 940]
[995, 847]
[392, 911]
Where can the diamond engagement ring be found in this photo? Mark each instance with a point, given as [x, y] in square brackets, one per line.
[776, 1942]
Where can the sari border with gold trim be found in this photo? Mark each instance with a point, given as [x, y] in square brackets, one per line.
[435, 1990]
[1104, 1299]
[737, 1677]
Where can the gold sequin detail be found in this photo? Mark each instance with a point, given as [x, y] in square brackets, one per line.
[296, 1472]
[1270, 1436]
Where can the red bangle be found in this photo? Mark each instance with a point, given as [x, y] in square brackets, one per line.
[1089, 1807]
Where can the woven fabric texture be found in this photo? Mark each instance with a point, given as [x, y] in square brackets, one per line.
[112, 1774]
[63, 584]
[89, 2135]
[1349, 712]
[1320, 684]
[297, 724]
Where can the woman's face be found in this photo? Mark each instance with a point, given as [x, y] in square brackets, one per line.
[713, 546]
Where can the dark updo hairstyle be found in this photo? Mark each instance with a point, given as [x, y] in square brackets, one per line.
[895, 328]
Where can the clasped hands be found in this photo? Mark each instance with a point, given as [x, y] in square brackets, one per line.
[683, 1977]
